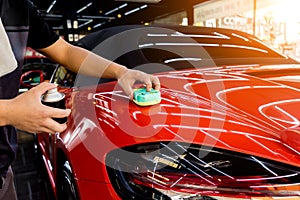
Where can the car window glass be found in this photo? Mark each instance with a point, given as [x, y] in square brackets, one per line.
[64, 77]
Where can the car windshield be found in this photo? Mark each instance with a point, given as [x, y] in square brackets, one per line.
[159, 49]
[181, 47]
[199, 48]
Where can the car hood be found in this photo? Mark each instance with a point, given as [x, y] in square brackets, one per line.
[226, 107]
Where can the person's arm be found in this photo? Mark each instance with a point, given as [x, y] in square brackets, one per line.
[26, 112]
[85, 62]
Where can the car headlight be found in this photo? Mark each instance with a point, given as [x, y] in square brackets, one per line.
[183, 171]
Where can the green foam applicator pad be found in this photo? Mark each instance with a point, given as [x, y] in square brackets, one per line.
[144, 98]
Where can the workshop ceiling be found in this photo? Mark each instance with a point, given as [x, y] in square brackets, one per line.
[97, 14]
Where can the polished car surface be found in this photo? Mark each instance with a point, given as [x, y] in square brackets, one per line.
[227, 126]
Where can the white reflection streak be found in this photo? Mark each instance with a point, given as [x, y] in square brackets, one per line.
[212, 183]
[241, 37]
[191, 164]
[197, 36]
[178, 180]
[268, 87]
[106, 109]
[296, 121]
[146, 45]
[220, 93]
[135, 113]
[278, 185]
[251, 126]
[185, 44]
[197, 70]
[266, 148]
[178, 44]
[195, 116]
[198, 128]
[266, 138]
[154, 170]
[225, 76]
[182, 59]
[168, 105]
[244, 47]
[222, 35]
[112, 118]
[158, 175]
[257, 136]
[106, 122]
[184, 78]
[177, 92]
[183, 97]
[205, 163]
[172, 132]
[270, 178]
[289, 147]
[116, 93]
[171, 101]
[101, 96]
[264, 166]
[195, 173]
[157, 35]
[262, 107]
[178, 34]
[153, 179]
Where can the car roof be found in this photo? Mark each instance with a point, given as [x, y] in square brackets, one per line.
[91, 40]
[136, 45]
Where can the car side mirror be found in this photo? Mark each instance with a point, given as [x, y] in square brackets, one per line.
[31, 78]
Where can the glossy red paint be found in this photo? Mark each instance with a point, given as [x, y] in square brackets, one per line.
[250, 109]
[229, 110]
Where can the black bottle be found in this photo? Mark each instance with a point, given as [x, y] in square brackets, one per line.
[53, 98]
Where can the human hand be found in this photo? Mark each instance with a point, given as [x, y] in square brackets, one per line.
[27, 113]
[129, 77]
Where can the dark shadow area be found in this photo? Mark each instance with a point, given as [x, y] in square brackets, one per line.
[30, 177]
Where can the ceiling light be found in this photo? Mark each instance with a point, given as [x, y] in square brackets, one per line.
[84, 7]
[136, 9]
[51, 6]
[118, 8]
[90, 21]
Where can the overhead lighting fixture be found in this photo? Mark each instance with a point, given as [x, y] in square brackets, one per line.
[69, 24]
[75, 24]
[141, 1]
[114, 10]
[84, 7]
[136, 9]
[51, 6]
[86, 23]
[98, 25]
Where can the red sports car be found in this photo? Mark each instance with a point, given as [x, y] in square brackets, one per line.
[227, 126]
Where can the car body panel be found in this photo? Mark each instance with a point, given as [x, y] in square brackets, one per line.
[241, 108]
[257, 121]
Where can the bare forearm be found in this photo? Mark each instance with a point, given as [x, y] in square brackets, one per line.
[83, 61]
[93, 65]
[3, 112]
